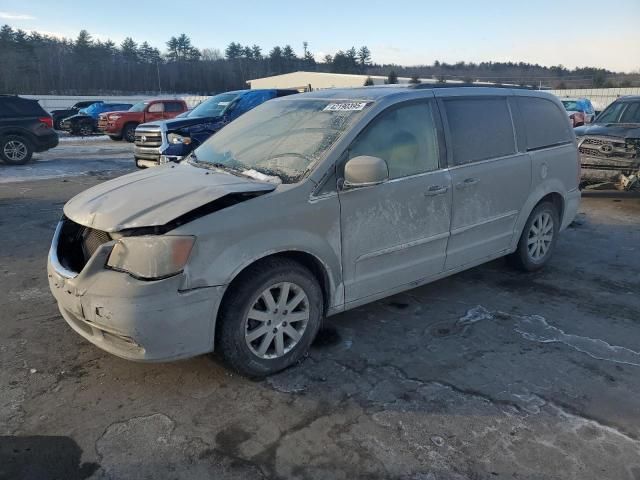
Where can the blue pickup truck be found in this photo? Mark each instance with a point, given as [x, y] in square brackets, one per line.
[170, 140]
[85, 122]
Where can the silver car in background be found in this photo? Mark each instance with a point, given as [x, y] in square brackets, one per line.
[308, 206]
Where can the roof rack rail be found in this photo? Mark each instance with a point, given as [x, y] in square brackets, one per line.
[422, 86]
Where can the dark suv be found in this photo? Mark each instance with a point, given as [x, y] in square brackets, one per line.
[24, 128]
[610, 146]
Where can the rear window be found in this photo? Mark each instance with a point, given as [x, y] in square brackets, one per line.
[20, 107]
[480, 128]
[545, 124]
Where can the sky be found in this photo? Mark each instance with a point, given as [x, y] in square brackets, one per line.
[573, 34]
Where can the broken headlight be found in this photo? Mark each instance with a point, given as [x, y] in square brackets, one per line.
[151, 257]
[176, 139]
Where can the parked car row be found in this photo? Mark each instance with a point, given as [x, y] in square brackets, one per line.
[171, 140]
[121, 125]
[579, 110]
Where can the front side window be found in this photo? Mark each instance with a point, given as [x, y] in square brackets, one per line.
[156, 108]
[631, 114]
[545, 124]
[405, 137]
[282, 138]
[249, 101]
[612, 113]
[480, 129]
[172, 107]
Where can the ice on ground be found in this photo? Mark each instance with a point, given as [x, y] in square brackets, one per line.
[536, 329]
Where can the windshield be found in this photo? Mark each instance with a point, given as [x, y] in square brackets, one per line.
[571, 105]
[91, 109]
[213, 107]
[282, 138]
[139, 107]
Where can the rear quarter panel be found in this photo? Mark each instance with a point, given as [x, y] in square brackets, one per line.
[553, 170]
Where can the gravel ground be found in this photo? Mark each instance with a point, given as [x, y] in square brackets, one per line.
[488, 374]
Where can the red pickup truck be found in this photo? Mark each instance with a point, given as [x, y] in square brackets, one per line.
[122, 125]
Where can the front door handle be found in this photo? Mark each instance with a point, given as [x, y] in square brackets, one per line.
[436, 190]
[467, 183]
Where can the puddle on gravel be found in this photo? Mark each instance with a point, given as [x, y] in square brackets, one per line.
[536, 329]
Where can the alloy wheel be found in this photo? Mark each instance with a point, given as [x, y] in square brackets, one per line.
[277, 320]
[540, 236]
[15, 151]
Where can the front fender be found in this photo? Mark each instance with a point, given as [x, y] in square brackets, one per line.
[230, 240]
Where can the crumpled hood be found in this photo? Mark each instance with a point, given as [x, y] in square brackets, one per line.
[154, 197]
[622, 130]
[178, 123]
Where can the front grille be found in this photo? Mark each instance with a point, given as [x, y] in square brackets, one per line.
[102, 123]
[148, 137]
[77, 244]
[606, 148]
[92, 239]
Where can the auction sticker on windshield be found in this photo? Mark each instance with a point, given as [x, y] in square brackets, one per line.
[345, 107]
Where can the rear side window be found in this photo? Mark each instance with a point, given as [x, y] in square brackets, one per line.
[405, 137]
[545, 124]
[20, 107]
[173, 107]
[480, 128]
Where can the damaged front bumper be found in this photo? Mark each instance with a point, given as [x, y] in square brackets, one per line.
[608, 159]
[133, 319]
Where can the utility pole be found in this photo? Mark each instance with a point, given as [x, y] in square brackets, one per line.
[158, 70]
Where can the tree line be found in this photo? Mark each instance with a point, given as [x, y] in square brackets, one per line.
[34, 63]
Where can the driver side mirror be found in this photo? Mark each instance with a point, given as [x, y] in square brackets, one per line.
[364, 171]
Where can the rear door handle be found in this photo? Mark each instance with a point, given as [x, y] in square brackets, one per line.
[435, 190]
[467, 183]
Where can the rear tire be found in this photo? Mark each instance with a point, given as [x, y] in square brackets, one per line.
[129, 132]
[538, 239]
[15, 150]
[259, 331]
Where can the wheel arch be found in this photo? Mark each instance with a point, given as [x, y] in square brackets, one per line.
[19, 132]
[549, 192]
[317, 267]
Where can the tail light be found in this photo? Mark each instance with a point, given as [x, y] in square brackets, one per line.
[48, 121]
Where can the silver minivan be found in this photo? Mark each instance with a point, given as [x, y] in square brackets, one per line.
[308, 206]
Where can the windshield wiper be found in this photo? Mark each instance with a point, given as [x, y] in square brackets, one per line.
[216, 166]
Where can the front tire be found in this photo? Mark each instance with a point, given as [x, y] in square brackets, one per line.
[269, 319]
[85, 129]
[538, 239]
[129, 132]
[115, 138]
[15, 150]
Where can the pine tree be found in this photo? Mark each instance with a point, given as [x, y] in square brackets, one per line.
[368, 82]
[392, 77]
